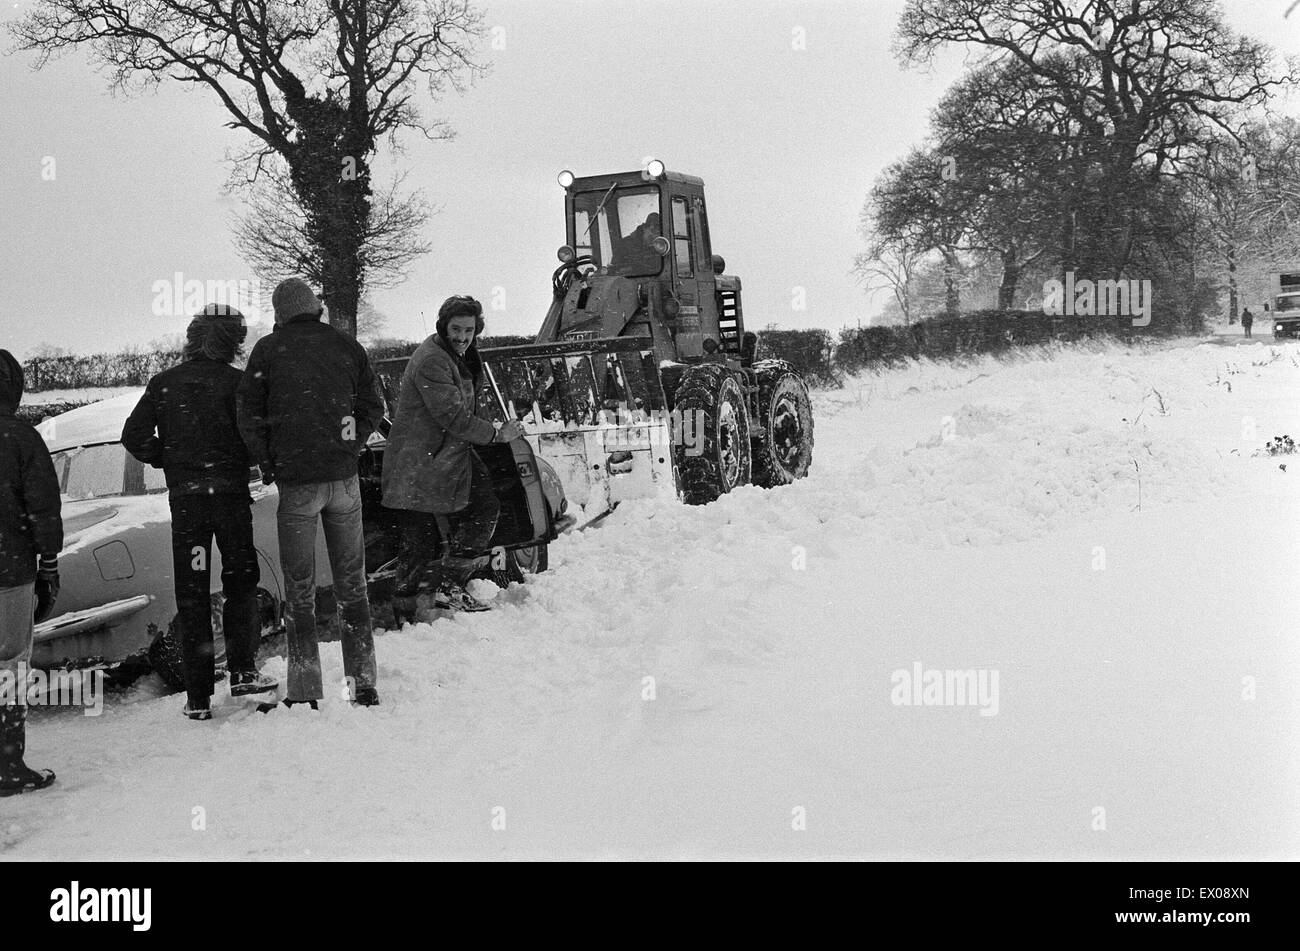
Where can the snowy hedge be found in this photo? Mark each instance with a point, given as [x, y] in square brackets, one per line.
[36, 412]
[131, 367]
[811, 352]
[984, 331]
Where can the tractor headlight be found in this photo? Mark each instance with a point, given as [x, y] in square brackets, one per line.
[661, 246]
[565, 178]
[566, 254]
[654, 168]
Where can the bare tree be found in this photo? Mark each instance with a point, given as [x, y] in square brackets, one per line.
[911, 207]
[889, 266]
[47, 351]
[316, 84]
[1248, 191]
[275, 235]
[371, 322]
[1002, 146]
[1143, 83]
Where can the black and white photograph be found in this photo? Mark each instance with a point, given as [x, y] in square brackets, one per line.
[652, 430]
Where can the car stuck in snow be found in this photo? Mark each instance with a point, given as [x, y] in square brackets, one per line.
[117, 607]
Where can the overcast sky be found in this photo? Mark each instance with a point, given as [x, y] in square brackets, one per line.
[788, 111]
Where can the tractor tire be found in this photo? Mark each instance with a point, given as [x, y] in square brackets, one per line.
[711, 408]
[783, 450]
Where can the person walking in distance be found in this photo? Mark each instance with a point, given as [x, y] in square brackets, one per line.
[1247, 321]
[31, 537]
[185, 424]
[307, 404]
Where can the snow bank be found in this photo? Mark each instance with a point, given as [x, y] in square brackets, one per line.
[717, 681]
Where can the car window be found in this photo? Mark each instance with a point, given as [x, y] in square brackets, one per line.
[89, 472]
[155, 480]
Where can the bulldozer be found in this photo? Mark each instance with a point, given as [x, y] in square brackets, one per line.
[642, 378]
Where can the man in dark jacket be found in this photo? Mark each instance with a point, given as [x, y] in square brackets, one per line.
[431, 470]
[307, 404]
[185, 424]
[31, 537]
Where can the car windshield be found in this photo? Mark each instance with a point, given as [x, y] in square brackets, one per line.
[616, 227]
[1288, 302]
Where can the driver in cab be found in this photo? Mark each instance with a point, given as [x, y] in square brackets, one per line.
[635, 254]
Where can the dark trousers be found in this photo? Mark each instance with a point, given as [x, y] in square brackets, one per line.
[465, 535]
[419, 561]
[1246, 325]
[196, 520]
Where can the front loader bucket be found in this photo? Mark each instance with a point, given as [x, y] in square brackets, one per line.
[594, 410]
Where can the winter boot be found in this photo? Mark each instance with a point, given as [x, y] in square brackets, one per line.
[405, 609]
[366, 697]
[197, 713]
[453, 597]
[15, 776]
[292, 703]
[244, 682]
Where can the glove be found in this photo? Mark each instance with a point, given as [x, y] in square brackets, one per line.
[47, 593]
[509, 431]
[268, 473]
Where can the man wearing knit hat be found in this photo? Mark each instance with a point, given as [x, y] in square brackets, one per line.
[307, 404]
[185, 424]
[31, 536]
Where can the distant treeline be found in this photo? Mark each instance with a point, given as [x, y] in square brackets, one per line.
[823, 358]
[134, 367]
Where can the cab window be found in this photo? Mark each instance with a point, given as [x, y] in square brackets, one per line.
[702, 250]
[616, 228]
[683, 240]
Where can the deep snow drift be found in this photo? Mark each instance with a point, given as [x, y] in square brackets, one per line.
[1086, 527]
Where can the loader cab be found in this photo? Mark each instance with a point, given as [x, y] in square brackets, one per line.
[641, 245]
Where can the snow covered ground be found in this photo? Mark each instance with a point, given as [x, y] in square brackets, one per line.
[1086, 529]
